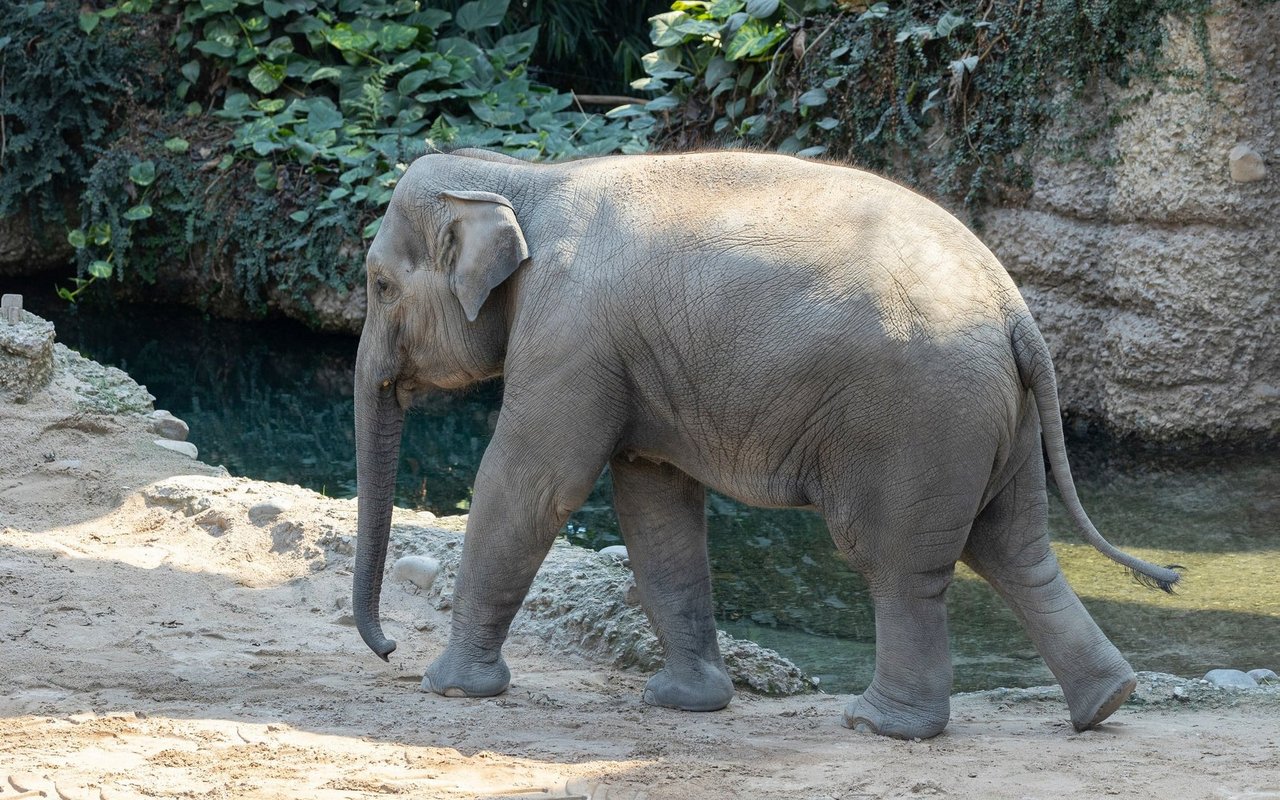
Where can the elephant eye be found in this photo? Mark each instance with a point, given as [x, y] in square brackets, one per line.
[381, 283]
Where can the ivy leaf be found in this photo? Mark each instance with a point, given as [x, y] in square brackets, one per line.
[813, 97]
[480, 14]
[753, 39]
[265, 175]
[140, 211]
[266, 78]
[177, 145]
[371, 230]
[812, 152]
[217, 6]
[212, 48]
[664, 103]
[191, 71]
[664, 30]
[949, 22]
[877, 11]
[100, 233]
[300, 216]
[719, 9]
[394, 36]
[76, 238]
[761, 9]
[88, 21]
[143, 173]
[100, 269]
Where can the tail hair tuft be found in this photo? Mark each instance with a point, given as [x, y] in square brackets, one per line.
[1166, 586]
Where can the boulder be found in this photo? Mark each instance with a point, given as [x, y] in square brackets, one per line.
[26, 355]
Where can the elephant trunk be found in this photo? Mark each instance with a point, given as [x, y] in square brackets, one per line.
[379, 421]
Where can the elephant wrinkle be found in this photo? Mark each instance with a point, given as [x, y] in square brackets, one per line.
[823, 338]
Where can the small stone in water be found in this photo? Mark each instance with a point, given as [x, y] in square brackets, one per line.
[1264, 676]
[1230, 677]
[421, 571]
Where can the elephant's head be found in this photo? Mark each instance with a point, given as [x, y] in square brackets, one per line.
[438, 257]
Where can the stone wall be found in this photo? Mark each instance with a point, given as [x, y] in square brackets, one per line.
[1155, 279]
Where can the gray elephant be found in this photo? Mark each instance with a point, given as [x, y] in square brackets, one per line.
[786, 332]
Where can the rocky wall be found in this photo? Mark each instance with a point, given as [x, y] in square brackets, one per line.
[1153, 262]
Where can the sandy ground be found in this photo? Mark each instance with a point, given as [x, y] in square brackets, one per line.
[152, 645]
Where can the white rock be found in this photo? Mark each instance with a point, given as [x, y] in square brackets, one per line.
[186, 448]
[1264, 676]
[167, 425]
[1246, 164]
[269, 509]
[615, 553]
[1230, 677]
[421, 571]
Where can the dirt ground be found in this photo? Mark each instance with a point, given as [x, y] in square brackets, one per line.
[156, 646]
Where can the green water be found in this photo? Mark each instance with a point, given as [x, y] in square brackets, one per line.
[273, 401]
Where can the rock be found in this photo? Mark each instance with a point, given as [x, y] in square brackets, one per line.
[1264, 676]
[264, 512]
[168, 426]
[421, 571]
[1246, 164]
[11, 308]
[186, 448]
[615, 553]
[1232, 678]
[26, 356]
[631, 596]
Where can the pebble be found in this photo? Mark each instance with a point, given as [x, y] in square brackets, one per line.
[1246, 164]
[167, 425]
[269, 509]
[186, 448]
[421, 571]
[1230, 677]
[1264, 676]
[615, 553]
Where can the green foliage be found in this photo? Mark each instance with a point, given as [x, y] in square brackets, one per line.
[588, 46]
[308, 112]
[60, 96]
[884, 85]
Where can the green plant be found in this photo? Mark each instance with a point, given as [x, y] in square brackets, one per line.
[320, 106]
[60, 97]
[951, 93]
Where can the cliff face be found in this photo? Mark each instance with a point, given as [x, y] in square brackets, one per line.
[1155, 278]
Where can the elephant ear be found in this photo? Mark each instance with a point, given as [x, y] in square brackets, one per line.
[488, 246]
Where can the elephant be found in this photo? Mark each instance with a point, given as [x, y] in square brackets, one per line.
[786, 332]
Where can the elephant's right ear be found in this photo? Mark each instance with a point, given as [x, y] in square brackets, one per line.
[488, 246]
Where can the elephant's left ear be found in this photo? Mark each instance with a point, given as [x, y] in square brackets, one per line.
[488, 246]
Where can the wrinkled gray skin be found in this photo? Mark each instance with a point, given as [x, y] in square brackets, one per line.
[785, 332]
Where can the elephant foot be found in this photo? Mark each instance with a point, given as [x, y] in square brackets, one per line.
[454, 675]
[1089, 711]
[703, 687]
[873, 713]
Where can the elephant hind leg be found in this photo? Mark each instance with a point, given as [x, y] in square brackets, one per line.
[1009, 547]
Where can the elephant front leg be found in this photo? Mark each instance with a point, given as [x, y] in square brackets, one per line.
[660, 510]
[910, 693]
[523, 495]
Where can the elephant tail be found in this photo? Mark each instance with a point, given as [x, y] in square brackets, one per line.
[1035, 370]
